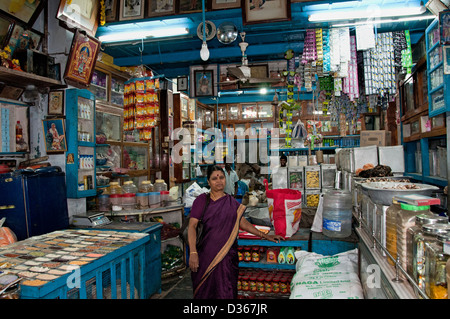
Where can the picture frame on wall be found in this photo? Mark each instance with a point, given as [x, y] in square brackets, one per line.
[28, 12]
[111, 10]
[131, 9]
[6, 27]
[225, 4]
[262, 11]
[80, 14]
[54, 135]
[259, 71]
[21, 38]
[81, 62]
[56, 102]
[11, 92]
[203, 83]
[189, 6]
[444, 26]
[160, 8]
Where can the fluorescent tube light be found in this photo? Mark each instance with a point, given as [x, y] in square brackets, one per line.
[138, 35]
[420, 18]
[370, 13]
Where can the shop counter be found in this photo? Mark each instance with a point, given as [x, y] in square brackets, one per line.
[84, 264]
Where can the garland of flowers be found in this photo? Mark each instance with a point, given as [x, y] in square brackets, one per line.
[6, 61]
[102, 12]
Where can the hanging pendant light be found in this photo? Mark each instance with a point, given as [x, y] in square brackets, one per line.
[204, 52]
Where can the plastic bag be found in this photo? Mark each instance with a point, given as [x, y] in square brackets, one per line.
[7, 236]
[285, 210]
[191, 194]
[326, 277]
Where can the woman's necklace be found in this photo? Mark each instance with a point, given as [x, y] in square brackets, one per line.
[215, 196]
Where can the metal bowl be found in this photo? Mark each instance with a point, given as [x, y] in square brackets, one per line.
[383, 192]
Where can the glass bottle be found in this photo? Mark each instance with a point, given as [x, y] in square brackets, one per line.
[406, 218]
[428, 233]
[436, 258]
[421, 219]
[391, 230]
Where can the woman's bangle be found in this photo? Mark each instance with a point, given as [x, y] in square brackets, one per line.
[193, 252]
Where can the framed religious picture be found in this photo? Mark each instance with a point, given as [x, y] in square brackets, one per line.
[80, 14]
[56, 102]
[189, 6]
[11, 92]
[25, 11]
[203, 83]
[81, 62]
[263, 11]
[23, 39]
[111, 10]
[54, 135]
[182, 83]
[131, 9]
[160, 7]
[225, 4]
[444, 24]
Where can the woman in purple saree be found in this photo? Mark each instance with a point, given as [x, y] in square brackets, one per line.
[214, 260]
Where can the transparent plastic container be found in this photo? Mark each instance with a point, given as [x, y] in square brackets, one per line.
[116, 202]
[436, 268]
[104, 203]
[447, 267]
[114, 188]
[129, 187]
[142, 200]
[337, 214]
[160, 186]
[406, 218]
[154, 199]
[391, 230]
[414, 231]
[128, 201]
[145, 187]
[165, 198]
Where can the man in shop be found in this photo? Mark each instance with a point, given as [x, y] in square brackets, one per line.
[279, 173]
[231, 186]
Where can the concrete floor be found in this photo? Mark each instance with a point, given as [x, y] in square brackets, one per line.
[178, 286]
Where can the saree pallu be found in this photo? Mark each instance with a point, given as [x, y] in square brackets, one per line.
[218, 270]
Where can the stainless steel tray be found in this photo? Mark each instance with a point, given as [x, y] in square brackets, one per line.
[383, 192]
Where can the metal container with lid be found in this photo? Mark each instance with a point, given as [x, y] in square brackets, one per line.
[427, 233]
[436, 259]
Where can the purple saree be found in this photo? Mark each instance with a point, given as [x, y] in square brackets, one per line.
[218, 270]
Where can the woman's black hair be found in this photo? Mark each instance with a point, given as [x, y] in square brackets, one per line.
[213, 168]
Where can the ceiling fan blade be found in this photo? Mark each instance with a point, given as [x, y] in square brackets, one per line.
[236, 72]
[264, 80]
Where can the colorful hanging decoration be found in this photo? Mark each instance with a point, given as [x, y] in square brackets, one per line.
[141, 106]
[102, 12]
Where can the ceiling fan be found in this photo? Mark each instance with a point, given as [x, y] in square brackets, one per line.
[243, 72]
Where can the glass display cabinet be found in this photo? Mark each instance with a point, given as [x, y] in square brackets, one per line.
[108, 84]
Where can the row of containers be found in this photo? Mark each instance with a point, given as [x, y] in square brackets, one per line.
[130, 197]
[410, 229]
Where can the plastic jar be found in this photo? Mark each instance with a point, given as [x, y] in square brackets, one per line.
[240, 254]
[436, 282]
[276, 285]
[128, 201]
[165, 197]
[153, 199]
[239, 283]
[104, 203]
[252, 283]
[244, 283]
[129, 187]
[116, 201]
[414, 235]
[337, 214]
[146, 187]
[283, 285]
[160, 186]
[406, 218]
[268, 284]
[142, 200]
[114, 188]
[391, 230]
[260, 283]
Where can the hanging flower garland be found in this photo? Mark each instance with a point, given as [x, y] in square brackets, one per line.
[102, 12]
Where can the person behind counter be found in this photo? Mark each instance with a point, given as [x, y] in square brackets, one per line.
[231, 186]
[214, 260]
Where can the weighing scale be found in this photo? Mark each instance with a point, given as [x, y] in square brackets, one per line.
[91, 220]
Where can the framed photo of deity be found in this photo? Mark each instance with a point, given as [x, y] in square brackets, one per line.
[81, 62]
[56, 102]
[54, 135]
[80, 14]
[262, 11]
[131, 10]
[160, 8]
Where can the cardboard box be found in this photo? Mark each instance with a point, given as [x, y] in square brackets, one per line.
[378, 138]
